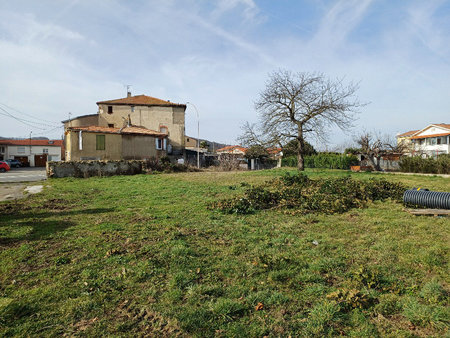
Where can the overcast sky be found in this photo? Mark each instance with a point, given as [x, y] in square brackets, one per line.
[60, 56]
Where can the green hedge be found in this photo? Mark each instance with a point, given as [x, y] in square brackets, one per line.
[323, 160]
[416, 164]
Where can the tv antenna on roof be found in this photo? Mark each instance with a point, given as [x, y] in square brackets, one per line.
[128, 90]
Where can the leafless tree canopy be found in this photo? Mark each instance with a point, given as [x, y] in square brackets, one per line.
[299, 105]
[374, 146]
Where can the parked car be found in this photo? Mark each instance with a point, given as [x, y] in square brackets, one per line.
[14, 163]
[3, 166]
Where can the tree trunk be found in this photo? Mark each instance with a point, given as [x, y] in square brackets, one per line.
[300, 149]
[376, 165]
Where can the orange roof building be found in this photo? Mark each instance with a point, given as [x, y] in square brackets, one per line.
[432, 140]
[236, 150]
[131, 116]
[29, 152]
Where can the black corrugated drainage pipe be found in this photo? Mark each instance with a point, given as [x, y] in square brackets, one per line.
[426, 198]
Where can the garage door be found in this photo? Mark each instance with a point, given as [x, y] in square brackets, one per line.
[40, 160]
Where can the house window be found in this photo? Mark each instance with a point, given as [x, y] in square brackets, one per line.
[100, 142]
[111, 125]
[110, 110]
[159, 144]
[132, 109]
[163, 129]
[21, 150]
[2, 150]
[45, 150]
[442, 140]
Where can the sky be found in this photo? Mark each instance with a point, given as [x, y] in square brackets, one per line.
[61, 57]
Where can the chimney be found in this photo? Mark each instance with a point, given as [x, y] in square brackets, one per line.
[128, 93]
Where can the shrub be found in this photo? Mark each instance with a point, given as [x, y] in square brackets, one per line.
[163, 164]
[417, 164]
[323, 160]
[298, 193]
[228, 162]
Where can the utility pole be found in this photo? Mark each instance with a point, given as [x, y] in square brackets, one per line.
[198, 134]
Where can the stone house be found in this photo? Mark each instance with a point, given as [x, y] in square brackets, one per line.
[153, 120]
[32, 153]
[107, 143]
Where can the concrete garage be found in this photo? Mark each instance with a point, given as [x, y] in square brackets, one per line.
[31, 153]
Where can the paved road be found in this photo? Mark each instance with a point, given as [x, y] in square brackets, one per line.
[23, 175]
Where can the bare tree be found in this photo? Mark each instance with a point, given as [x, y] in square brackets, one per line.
[374, 146]
[300, 105]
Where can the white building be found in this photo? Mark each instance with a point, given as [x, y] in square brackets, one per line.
[431, 141]
[33, 153]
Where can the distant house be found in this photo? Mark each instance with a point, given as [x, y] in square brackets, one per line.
[190, 143]
[150, 117]
[430, 141]
[34, 153]
[275, 153]
[232, 150]
[107, 143]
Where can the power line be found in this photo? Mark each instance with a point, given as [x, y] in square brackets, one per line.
[28, 124]
[29, 115]
[24, 121]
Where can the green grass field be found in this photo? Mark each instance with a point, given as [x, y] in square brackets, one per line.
[142, 255]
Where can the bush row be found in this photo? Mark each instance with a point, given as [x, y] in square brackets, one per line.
[416, 164]
[323, 160]
[163, 164]
[299, 194]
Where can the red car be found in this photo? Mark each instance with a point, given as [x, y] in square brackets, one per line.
[3, 167]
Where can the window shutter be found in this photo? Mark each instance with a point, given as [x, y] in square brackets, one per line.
[100, 142]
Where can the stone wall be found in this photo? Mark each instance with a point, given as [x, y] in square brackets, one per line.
[84, 169]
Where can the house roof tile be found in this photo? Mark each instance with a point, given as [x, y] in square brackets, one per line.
[28, 142]
[408, 133]
[142, 100]
[428, 136]
[126, 130]
[231, 149]
[443, 125]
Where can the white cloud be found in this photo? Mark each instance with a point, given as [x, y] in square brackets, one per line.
[248, 9]
[218, 56]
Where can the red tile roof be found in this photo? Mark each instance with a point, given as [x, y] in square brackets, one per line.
[230, 149]
[273, 151]
[28, 142]
[428, 136]
[127, 130]
[142, 131]
[408, 133]
[444, 125]
[142, 100]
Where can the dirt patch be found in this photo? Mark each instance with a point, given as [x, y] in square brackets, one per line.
[11, 192]
[147, 321]
[56, 204]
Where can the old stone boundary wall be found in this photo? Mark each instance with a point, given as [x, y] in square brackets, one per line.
[84, 169]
